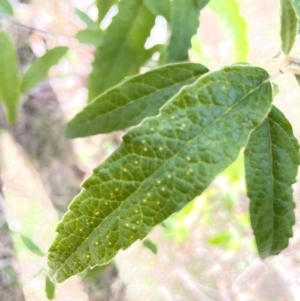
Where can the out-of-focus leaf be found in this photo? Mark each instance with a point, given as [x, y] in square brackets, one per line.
[38, 71]
[275, 89]
[122, 48]
[234, 25]
[289, 26]
[271, 164]
[90, 36]
[85, 18]
[159, 8]
[50, 287]
[30, 245]
[221, 239]
[10, 81]
[6, 8]
[93, 273]
[150, 245]
[134, 99]
[297, 78]
[103, 8]
[160, 167]
[296, 4]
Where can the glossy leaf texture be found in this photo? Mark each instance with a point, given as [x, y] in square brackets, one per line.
[90, 36]
[271, 163]
[134, 99]
[38, 71]
[160, 167]
[6, 8]
[296, 4]
[184, 21]
[159, 8]
[10, 81]
[234, 25]
[289, 26]
[103, 8]
[122, 51]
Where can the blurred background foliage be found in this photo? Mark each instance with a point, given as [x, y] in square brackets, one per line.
[204, 252]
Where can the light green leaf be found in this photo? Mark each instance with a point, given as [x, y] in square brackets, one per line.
[159, 8]
[223, 239]
[103, 8]
[234, 25]
[38, 71]
[289, 26]
[6, 8]
[296, 4]
[184, 23]
[150, 245]
[160, 167]
[85, 18]
[50, 288]
[10, 81]
[30, 245]
[122, 48]
[90, 36]
[271, 163]
[134, 99]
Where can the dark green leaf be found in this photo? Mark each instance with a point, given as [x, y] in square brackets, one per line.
[103, 7]
[10, 81]
[85, 18]
[160, 167]
[122, 48]
[6, 8]
[30, 245]
[289, 26]
[150, 245]
[90, 36]
[50, 288]
[159, 8]
[134, 99]
[271, 162]
[297, 76]
[38, 71]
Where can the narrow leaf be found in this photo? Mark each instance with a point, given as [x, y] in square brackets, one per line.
[85, 18]
[159, 8]
[50, 288]
[90, 36]
[134, 99]
[184, 23]
[6, 8]
[38, 71]
[103, 8]
[122, 48]
[150, 245]
[10, 81]
[30, 245]
[289, 26]
[234, 25]
[296, 4]
[160, 167]
[271, 163]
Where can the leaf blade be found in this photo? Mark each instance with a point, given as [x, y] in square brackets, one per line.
[38, 71]
[6, 8]
[159, 8]
[152, 175]
[90, 36]
[85, 18]
[103, 8]
[271, 163]
[134, 99]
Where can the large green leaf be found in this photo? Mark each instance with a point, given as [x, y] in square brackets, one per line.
[6, 8]
[134, 99]
[103, 8]
[39, 69]
[122, 51]
[160, 167]
[159, 7]
[184, 23]
[10, 81]
[234, 25]
[289, 26]
[296, 4]
[271, 162]
[90, 36]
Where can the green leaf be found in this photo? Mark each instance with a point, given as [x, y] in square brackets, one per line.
[234, 25]
[38, 71]
[271, 163]
[122, 48]
[85, 18]
[134, 99]
[296, 4]
[30, 245]
[223, 239]
[6, 8]
[297, 77]
[10, 81]
[150, 245]
[50, 288]
[160, 167]
[289, 26]
[159, 8]
[103, 8]
[184, 23]
[90, 36]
